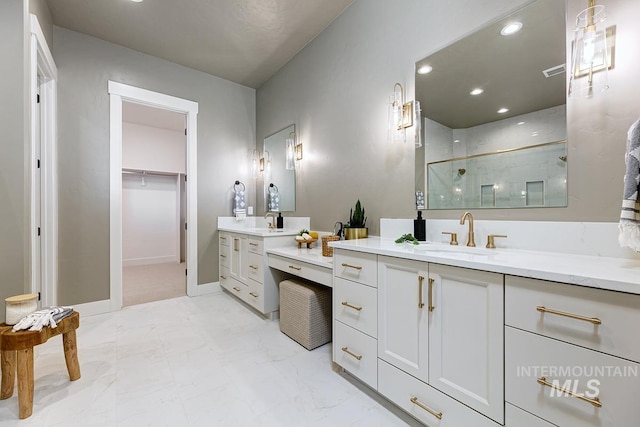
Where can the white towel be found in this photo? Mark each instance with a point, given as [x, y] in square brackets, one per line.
[48, 316]
[239, 201]
[629, 226]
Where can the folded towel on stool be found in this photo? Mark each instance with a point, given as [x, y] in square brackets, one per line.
[48, 316]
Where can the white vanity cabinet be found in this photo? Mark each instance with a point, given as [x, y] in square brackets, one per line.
[243, 269]
[466, 338]
[403, 315]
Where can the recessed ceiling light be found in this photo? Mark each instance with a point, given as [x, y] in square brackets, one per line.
[503, 110]
[425, 69]
[476, 91]
[137, 1]
[511, 28]
[456, 140]
[520, 123]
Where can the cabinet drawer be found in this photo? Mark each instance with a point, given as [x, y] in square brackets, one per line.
[530, 358]
[255, 245]
[225, 256]
[417, 398]
[356, 353]
[255, 295]
[236, 288]
[516, 417]
[356, 305]
[615, 310]
[224, 239]
[256, 268]
[357, 266]
[305, 270]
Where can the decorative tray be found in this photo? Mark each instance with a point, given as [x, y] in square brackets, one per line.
[307, 242]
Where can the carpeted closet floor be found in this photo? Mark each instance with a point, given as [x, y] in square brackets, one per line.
[153, 282]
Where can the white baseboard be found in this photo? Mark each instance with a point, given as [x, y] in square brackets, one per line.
[93, 308]
[207, 288]
[146, 261]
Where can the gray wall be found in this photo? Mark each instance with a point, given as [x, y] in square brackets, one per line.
[226, 133]
[14, 146]
[336, 90]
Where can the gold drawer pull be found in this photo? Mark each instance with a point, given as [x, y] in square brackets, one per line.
[253, 294]
[593, 320]
[295, 268]
[236, 289]
[355, 307]
[420, 280]
[253, 267]
[595, 401]
[350, 353]
[223, 256]
[415, 401]
[431, 306]
[223, 238]
[223, 277]
[253, 244]
[356, 267]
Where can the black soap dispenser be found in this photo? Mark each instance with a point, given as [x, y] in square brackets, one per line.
[420, 228]
[280, 221]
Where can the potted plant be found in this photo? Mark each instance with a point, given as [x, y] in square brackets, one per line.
[355, 228]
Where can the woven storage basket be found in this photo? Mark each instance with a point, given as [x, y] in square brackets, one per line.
[305, 313]
[326, 249]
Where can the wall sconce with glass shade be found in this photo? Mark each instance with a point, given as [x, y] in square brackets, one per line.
[265, 165]
[593, 53]
[290, 151]
[255, 164]
[400, 115]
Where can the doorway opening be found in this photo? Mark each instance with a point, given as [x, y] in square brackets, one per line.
[153, 204]
[126, 180]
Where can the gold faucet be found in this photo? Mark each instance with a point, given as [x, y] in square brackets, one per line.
[270, 224]
[470, 241]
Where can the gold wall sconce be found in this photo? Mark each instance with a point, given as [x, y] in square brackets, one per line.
[400, 115]
[593, 53]
[293, 151]
[260, 164]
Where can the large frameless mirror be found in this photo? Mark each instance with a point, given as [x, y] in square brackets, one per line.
[279, 181]
[494, 115]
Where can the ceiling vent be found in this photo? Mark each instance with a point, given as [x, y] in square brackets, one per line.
[554, 71]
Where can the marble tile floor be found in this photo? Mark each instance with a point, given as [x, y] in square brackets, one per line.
[200, 361]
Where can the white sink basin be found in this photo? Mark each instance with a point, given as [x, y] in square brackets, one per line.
[453, 249]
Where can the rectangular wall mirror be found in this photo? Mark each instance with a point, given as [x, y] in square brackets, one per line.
[279, 182]
[494, 115]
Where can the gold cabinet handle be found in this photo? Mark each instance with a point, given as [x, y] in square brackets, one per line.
[415, 401]
[352, 354]
[356, 267]
[253, 294]
[593, 320]
[431, 306]
[253, 244]
[420, 286]
[295, 268]
[236, 289]
[222, 256]
[254, 267]
[223, 238]
[355, 307]
[223, 277]
[236, 244]
[595, 401]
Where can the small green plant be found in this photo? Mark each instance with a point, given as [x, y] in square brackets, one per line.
[356, 217]
[407, 238]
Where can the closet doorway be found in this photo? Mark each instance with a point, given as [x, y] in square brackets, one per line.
[153, 204]
[119, 94]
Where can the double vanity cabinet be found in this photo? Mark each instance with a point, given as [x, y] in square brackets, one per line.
[458, 339]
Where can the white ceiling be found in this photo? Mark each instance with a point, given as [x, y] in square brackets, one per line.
[154, 117]
[245, 41]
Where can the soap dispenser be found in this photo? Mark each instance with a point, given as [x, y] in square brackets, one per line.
[420, 228]
[280, 221]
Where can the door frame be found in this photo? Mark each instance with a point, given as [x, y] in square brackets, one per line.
[119, 92]
[41, 63]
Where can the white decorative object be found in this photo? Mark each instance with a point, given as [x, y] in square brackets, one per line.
[19, 306]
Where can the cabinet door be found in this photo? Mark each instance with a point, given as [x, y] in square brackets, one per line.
[239, 253]
[466, 337]
[402, 315]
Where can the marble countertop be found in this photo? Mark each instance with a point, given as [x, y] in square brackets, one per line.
[617, 274]
[311, 256]
[261, 231]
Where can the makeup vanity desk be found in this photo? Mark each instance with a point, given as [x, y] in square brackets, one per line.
[305, 263]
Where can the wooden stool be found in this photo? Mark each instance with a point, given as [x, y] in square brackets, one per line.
[18, 347]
